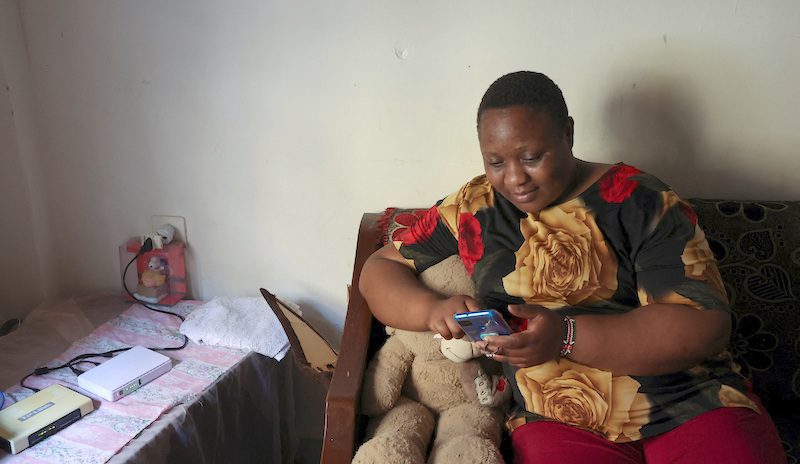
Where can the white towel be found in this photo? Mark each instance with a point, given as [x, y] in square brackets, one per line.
[246, 323]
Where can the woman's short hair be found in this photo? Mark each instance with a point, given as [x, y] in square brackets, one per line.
[525, 88]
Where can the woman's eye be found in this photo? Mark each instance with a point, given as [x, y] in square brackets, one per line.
[531, 159]
[495, 164]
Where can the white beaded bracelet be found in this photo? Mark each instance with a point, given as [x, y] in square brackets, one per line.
[569, 336]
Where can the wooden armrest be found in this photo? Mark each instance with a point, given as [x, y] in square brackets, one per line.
[342, 402]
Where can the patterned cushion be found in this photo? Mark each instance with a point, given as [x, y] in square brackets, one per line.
[395, 220]
[757, 245]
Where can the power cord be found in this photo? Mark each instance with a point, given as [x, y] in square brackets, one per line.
[147, 246]
[82, 358]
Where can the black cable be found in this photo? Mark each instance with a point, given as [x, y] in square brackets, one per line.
[76, 360]
[143, 249]
[22, 383]
[81, 358]
[77, 371]
[147, 246]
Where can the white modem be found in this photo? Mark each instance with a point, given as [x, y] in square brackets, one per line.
[124, 373]
[39, 416]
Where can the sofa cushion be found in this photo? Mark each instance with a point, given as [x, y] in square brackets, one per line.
[757, 245]
[395, 220]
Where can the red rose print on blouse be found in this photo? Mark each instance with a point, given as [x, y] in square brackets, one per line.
[501, 384]
[616, 185]
[518, 324]
[417, 230]
[470, 246]
[689, 212]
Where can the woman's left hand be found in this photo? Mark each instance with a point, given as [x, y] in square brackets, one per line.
[540, 342]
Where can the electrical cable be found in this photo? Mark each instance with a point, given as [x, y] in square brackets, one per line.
[147, 246]
[81, 358]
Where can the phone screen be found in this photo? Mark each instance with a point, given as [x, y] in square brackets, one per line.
[481, 324]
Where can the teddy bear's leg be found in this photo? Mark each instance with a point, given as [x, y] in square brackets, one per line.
[401, 436]
[384, 377]
[468, 433]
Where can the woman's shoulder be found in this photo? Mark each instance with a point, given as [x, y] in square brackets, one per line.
[479, 185]
[635, 198]
[623, 182]
[627, 188]
[472, 196]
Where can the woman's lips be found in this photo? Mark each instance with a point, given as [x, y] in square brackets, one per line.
[524, 197]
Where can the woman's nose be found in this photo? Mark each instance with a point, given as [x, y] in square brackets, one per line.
[515, 175]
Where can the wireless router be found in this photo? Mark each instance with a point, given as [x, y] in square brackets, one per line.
[124, 373]
[29, 421]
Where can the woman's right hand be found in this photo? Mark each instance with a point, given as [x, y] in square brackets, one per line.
[440, 317]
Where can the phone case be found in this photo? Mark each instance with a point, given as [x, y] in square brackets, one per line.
[481, 324]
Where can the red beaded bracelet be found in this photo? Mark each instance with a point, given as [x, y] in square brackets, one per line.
[569, 336]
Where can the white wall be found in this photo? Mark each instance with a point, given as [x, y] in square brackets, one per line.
[273, 125]
[22, 215]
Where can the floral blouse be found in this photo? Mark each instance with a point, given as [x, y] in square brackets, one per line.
[625, 242]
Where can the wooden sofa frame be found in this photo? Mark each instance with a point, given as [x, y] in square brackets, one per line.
[362, 336]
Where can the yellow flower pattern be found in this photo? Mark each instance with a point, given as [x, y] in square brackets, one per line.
[585, 397]
[730, 397]
[564, 259]
[474, 196]
[697, 257]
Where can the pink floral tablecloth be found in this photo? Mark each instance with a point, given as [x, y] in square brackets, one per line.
[99, 435]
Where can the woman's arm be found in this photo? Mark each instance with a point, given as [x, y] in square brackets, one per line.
[651, 340]
[398, 299]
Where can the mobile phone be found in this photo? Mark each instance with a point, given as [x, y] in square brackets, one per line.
[481, 324]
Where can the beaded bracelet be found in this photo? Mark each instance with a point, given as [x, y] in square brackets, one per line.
[569, 336]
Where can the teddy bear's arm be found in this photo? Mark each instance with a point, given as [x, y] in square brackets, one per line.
[384, 377]
[483, 388]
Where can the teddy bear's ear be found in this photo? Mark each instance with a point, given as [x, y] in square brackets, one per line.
[390, 330]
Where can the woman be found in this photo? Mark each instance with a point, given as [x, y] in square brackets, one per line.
[621, 315]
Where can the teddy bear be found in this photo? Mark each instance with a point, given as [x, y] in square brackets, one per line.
[417, 383]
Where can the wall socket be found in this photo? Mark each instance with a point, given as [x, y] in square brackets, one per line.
[178, 222]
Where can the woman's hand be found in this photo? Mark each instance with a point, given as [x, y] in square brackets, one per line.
[440, 317]
[540, 342]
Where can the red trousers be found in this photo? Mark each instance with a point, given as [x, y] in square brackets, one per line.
[725, 435]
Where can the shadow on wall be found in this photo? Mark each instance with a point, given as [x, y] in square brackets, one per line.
[656, 128]
[659, 125]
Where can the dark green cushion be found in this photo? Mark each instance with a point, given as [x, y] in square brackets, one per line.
[757, 245]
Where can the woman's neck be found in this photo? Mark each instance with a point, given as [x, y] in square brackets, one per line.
[584, 175]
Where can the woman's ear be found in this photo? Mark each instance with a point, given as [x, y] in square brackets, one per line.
[569, 129]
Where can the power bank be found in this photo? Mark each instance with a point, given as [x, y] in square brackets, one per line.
[124, 373]
[39, 416]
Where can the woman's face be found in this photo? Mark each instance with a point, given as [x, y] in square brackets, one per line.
[527, 157]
